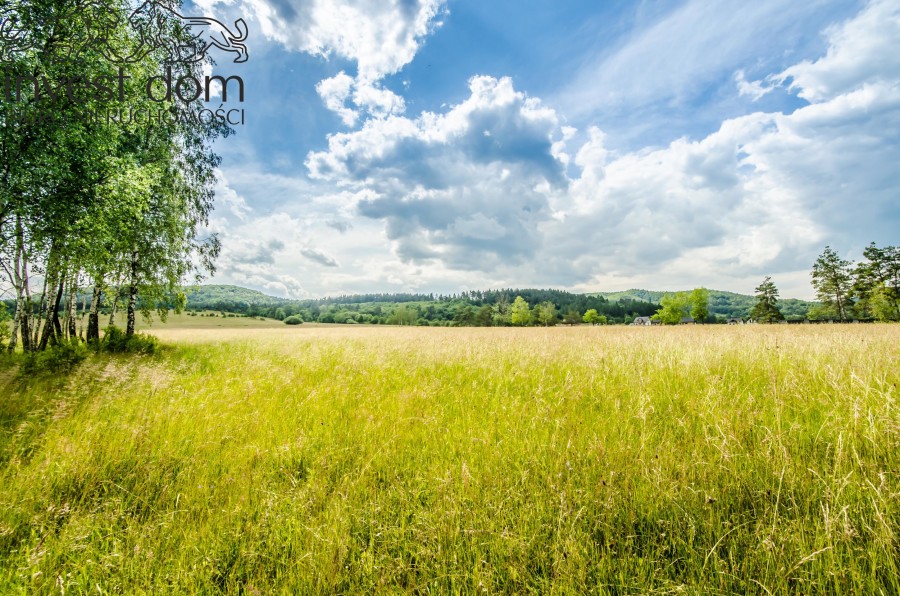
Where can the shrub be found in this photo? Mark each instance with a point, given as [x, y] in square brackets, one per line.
[61, 357]
[5, 331]
[293, 320]
[115, 340]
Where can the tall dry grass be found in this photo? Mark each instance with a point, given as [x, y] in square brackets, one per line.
[358, 460]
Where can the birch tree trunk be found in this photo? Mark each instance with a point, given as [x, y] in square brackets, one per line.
[132, 295]
[40, 317]
[20, 291]
[20, 305]
[73, 305]
[52, 328]
[25, 322]
[81, 318]
[57, 327]
[112, 310]
[93, 330]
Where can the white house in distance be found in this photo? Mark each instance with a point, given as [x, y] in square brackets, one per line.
[645, 321]
[642, 321]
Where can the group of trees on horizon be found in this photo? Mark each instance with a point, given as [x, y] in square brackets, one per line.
[869, 289]
[493, 308]
[88, 204]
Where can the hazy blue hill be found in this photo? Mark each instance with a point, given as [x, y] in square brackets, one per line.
[222, 297]
[643, 295]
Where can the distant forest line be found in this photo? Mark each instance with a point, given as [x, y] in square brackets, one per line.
[479, 308]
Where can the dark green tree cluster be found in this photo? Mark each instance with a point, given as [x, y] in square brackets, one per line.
[869, 289]
[91, 205]
[495, 308]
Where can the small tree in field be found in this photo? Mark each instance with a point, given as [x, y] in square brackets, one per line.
[501, 313]
[521, 312]
[673, 308]
[547, 314]
[572, 317]
[591, 317]
[766, 308]
[484, 316]
[699, 300]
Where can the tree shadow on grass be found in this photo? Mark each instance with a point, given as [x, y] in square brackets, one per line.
[40, 388]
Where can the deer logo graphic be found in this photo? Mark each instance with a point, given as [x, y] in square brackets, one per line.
[13, 40]
[203, 33]
[157, 27]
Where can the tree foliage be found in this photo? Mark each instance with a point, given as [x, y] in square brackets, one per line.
[673, 308]
[766, 308]
[94, 202]
[521, 312]
[699, 300]
[572, 317]
[876, 285]
[545, 314]
[832, 280]
[403, 315]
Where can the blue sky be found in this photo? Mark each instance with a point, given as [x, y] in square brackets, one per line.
[429, 145]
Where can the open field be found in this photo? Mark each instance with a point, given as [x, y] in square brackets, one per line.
[448, 460]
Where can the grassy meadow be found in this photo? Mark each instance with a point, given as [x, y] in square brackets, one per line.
[611, 460]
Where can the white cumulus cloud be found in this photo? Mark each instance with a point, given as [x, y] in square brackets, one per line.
[379, 37]
[863, 50]
[468, 187]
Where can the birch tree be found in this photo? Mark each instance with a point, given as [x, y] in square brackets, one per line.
[88, 199]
